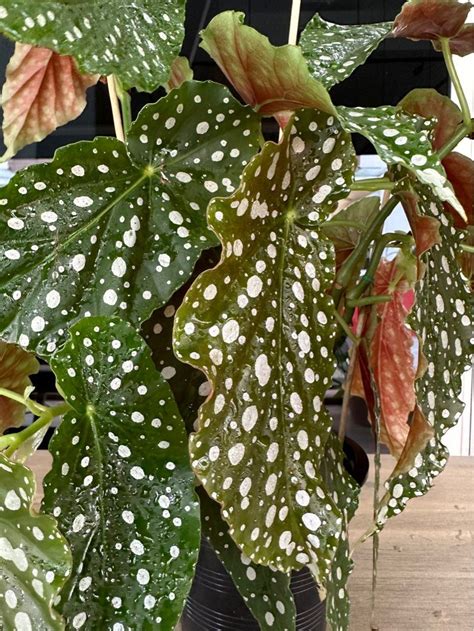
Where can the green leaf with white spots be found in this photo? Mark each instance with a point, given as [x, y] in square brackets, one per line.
[35, 560]
[136, 41]
[334, 51]
[106, 229]
[261, 327]
[265, 591]
[442, 318]
[402, 139]
[121, 485]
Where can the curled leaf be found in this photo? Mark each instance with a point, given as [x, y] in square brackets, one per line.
[425, 230]
[42, 91]
[460, 172]
[180, 72]
[430, 19]
[16, 366]
[462, 43]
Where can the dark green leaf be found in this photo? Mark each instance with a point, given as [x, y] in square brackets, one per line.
[136, 41]
[261, 326]
[110, 230]
[334, 51]
[266, 592]
[121, 485]
[35, 560]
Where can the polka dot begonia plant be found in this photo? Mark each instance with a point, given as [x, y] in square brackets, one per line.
[191, 282]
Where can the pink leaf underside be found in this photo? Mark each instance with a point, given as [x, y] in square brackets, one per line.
[16, 365]
[42, 91]
[430, 19]
[392, 361]
[460, 172]
[461, 44]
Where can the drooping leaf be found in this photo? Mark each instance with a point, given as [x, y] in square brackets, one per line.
[430, 104]
[334, 51]
[16, 366]
[106, 229]
[430, 19]
[261, 326]
[425, 230]
[266, 592]
[42, 91]
[180, 72]
[35, 560]
[402, 139]
[442, 318]
[135, 41]
[121, 485]
[460, 172]
[270, 78]
[462, 43]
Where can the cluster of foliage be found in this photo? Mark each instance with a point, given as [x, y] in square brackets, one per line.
[188, 282]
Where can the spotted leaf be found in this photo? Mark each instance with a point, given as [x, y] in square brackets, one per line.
[136, 41]
[334, 51]
[270, 78]
[261, 326]
[266, 592]
[16, 366]
[442, 320]
[35, 560]
[106, 229]
[402, 139]
[42, 91]
[106, 479]
[430, 19]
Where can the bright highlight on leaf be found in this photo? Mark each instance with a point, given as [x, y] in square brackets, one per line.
[334, 51]
[106, 479]
[136, 41]
[106, 229]
[16, 366]
[270, 78]
[265, 412]
[42, 91]
[35, 560]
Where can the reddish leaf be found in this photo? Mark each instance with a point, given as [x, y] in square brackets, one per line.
[418, 436]
[180, 72]
[429, 103]
[425, 230]
[460, 172]
[42, 91]
[461, 44]
[430, 19]
[16, 365]
[270, 78]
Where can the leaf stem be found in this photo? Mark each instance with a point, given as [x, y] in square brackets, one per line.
[448, 59]
[368, 300]
[114, 103]
[467, 248]
[125, 104]
[373, 184]
[35, 408]
[461, 133]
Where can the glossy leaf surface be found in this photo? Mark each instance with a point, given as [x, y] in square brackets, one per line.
[334, 51]
[402, 139]
[106, 230]
[270, 78]
[42, 91]
[121, 486]
[136, 41]
[430, 19]
[16, 366]
[266, 592]
[35, 560]
[261, 326]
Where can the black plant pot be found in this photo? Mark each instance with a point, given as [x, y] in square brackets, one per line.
[214, 604]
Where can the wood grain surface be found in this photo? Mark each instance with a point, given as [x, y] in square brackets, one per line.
[426, 563]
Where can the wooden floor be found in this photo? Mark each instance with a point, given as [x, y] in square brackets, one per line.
[426, 563]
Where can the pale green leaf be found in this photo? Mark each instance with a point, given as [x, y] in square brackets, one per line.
[121, 486]
[261, 326]
[136, 41]
[106, 229]
[35, 560]
[334, 51]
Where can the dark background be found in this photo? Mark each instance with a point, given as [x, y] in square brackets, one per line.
[393, 70]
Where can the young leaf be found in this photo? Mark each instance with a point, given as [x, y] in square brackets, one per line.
[430, 19]
[402, 139]
[266, 592]
[42, 91]
[106, 229]
[261, 326]
[443, 321]
[334, 51]
[180, 72]
[270, 78]
[35, 560]
[135, 41]
[106, 480]
[16, 366]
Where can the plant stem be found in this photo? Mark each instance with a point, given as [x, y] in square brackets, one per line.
[34, 408]
[368, 301]
[448, 59]
[467, 248]
[461, 133]
[345, 327]
[375, 539]
[114, 103]
[126, 105]
[373, 184]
